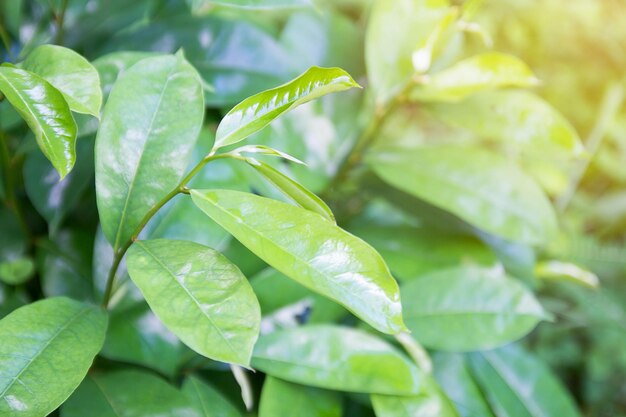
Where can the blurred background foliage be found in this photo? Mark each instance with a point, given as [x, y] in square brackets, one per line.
[576, 48]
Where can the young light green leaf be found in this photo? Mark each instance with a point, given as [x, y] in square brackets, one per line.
[465, 309]
[511, 115]
[519, 385]
[556, 270]
[481, 72]
[265, 150]
[338, 358]
[452, 372]
[476, 185]
[207, 400]
[281, 398]
[70, 73]
[256, 112]
[17, 271]
[46, 112]
[432, 402]
[200, 7]
[47, 348]
[135, 335]
[295, 191]
[311, 250]
[127, 393]
[149, 127]
[199, 295]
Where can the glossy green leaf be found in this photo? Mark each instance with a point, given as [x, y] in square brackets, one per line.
[256, 112]
[511, 116]
[432, 402]
[46, 112]
[136, 336]
[200, 296]
[311, 250]
[453, 374]
[478, 186]
[338, 358]
[69, 73]
[465, 309]
[481, 72]
[394, 31]
[203, 6]
[64, 265]
[519, 385]
[47, 348]
[52, 198]
[207, 400]
[292, 189]
[149, 127]
[412, 252]
[127, 393]
[281, 398]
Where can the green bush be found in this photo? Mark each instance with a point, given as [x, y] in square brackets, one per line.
[312, 208]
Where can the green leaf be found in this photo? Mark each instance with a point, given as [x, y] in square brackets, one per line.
[452, 372]
[280, 398]
[69, 73]
[311, 250]
[431, 403]
[256, 112]
[199, 295]
[52, 198]
[292, 189]
[47, 348]
[476, 185]
[136, 336]
[207, 400]
[481, 72]
[46, 112]
[127, 393]
[337, 358]
[394, 31]
[149, 127]
[464, 309]
[510, 115]
[519, 385]
[203, 6]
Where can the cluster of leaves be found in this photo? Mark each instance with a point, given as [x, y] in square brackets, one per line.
[149, 256]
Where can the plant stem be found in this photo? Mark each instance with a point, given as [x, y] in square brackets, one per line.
[181, 188]
[416, 352]
[60, 19]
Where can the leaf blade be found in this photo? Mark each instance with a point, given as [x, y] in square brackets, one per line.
[255, 112]
[365, 287]
[178, 273]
